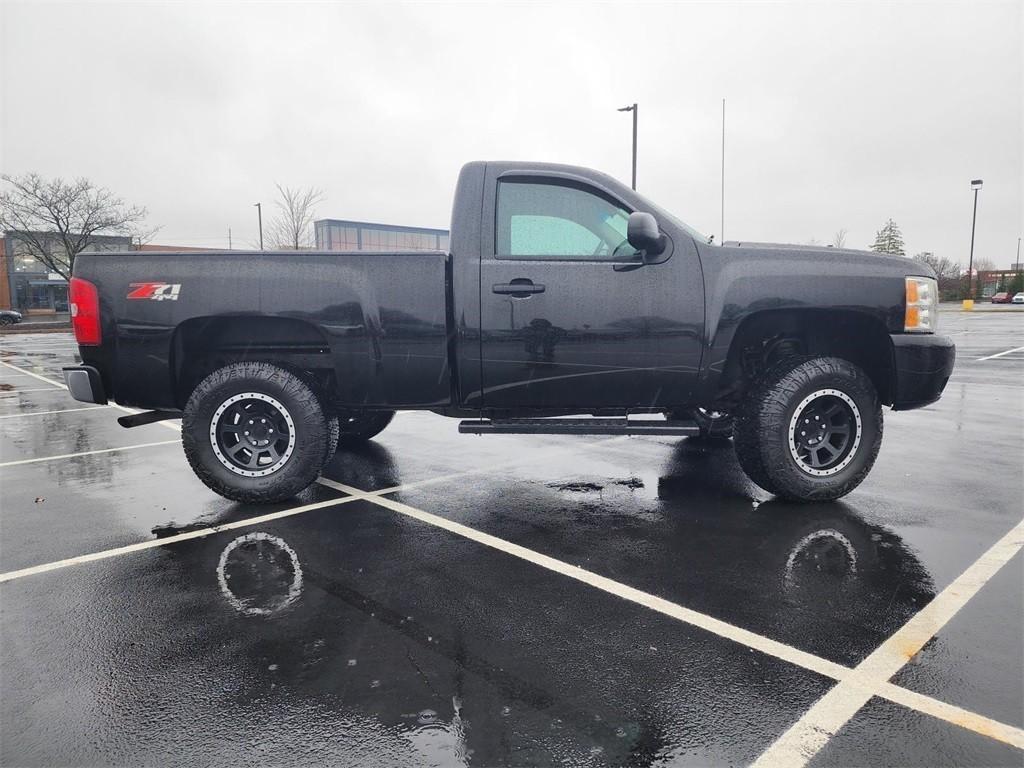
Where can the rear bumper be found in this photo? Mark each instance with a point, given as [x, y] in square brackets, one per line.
[923, 364]
[84, 384]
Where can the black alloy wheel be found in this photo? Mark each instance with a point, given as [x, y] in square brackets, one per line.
[824, 432]
[252, 434]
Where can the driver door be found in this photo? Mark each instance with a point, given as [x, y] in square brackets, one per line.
[561, 328]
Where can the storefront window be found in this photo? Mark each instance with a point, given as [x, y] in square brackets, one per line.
[60, 298]
[39, 297]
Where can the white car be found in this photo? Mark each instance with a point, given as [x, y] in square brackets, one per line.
[1018, 298]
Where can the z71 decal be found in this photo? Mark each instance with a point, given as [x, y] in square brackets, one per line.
[155, 291]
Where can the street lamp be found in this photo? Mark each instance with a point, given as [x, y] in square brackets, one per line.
[259, 212]
[634, 110]
[975, 185]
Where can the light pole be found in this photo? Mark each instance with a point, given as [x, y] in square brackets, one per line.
[259, 212]
[721, 232]
[975, 185]
[634, 110]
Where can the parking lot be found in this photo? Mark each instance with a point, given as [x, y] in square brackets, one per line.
[439, 599]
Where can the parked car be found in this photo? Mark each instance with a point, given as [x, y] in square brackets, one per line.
[9, 316]
[1001, 298]
[565, 294]
[1018, 298]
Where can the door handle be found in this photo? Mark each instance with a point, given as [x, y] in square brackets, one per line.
[519, 288]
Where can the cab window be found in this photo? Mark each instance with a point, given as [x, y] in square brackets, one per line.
[554, 221]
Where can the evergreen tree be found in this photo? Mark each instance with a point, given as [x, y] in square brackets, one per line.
[889, 239]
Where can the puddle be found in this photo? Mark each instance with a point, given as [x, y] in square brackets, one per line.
[577, 487]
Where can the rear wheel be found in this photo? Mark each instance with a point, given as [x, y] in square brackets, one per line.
[254, 432]
[712, 423]
[810, 430]
[364, 426]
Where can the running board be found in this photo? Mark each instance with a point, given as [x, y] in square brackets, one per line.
[595, 426]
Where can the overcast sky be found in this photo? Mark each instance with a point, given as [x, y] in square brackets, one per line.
[839, 115]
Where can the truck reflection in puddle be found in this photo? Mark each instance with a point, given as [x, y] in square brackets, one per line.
[259, 574]
[399, 642]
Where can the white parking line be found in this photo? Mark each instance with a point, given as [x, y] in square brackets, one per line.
[152, 543]
[44, 413]
[952, 714]
[846, 676]
[1000, 354]
[34, 389]
[33, 374]
[713, 625]
[85, 453]
[805, 738]
[199, 533]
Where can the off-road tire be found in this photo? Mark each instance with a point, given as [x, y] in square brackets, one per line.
[358, 429]
[300, 468]
[762, 439]
[333, 433]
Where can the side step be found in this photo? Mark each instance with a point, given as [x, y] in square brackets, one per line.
[593, 426]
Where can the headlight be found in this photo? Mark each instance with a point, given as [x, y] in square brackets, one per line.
[922, 312]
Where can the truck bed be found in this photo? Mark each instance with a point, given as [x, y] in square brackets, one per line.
[377, 319]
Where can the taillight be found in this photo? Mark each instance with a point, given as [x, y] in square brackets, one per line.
[85, 312]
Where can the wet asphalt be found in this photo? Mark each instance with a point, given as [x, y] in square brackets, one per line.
[352, 634]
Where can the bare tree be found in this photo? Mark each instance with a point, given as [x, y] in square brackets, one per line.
[839, 239]
[56, 220]
[291, 229]
[144, 236]
[945, 268]
[984, 265]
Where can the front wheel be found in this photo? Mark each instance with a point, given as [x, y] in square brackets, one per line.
[810, 430]
[254, 432]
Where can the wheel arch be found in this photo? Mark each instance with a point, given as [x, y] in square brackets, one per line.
[763, 338]
[201, 345]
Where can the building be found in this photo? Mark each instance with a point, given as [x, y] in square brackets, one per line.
[344, 235]
[989, 282]
[29, 287]
[153, 248]
[33, 289]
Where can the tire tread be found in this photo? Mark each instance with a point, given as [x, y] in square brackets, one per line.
[760, 421]
[307, 457]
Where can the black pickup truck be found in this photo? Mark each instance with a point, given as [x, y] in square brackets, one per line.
[569, 304]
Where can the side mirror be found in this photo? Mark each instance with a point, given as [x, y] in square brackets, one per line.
[643, 234]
